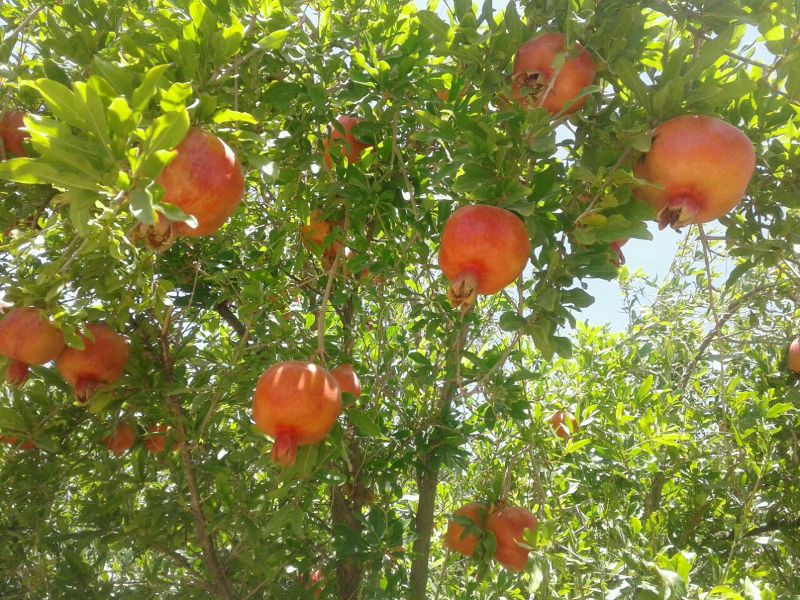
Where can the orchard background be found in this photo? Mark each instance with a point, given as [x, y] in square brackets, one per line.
[683, 477]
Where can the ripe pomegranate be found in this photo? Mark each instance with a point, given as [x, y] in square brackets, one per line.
[508, 526]
[793, 357]
[347, 379]
[550, 87]
[559, 424]
[351, 148]
[483, 249]
[316, 581]
[702, 166]
[100, 363]
[618, 258]
[296, 403]
[157, 440]
[204, 180]
[28, 337]
[456, 539]
[121, 440]
[13, 132]
[13, 440]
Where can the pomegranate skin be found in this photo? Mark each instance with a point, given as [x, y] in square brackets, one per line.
[157, 440]
[533, 68]
[13, 132]
[204, 180]
[508, 526]
[455, 539]
[347, 379]
[100, 363]
[13, 440]
[295, 403]
[351, 148]
[121, 440]
[559, 423]
[702, 165]
[483, 249]
[793, 356]
[28, 337]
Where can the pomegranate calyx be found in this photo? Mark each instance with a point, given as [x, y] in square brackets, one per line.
[17, 373]
[158, 237]
[536, 82]
[284, 451]
[679, 211]
[85, 388]
[463, 291]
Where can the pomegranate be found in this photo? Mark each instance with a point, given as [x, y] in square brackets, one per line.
[204, 180]
[483, 249]
[793, 357]
[121, 440]
[28, 337]
[551, 88]
[13, 132]
[100, 363]
[316, 581]
[618, 258]
[508, 526]
[347, 379]
[296, 403]
[351, 148]
[457, 538]
[702, 166]
[13, 440]
[157, 439]
[559, 424]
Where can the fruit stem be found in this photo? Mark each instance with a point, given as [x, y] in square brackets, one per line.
[679, 211]
[85, 388]
[284, 451]
[17, 373]
[463, 291]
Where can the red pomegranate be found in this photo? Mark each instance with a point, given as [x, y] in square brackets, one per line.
[13, 132]
[537, 83]
[296, 403]
[460, 540]
[28, 337]
[13, 440]
[508, 526]
[100, 363]
[347, 379]
[483, 249]
[351, 147]
[316, 582]
[121, 440]
[204, 180]
[157, 439]
[702, 166]
[793, 357]
[559, 423]
[617, 258]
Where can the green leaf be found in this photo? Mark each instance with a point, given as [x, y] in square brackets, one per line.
[147, 89]
[168, 130]
[141, 203]
[116, 76]
[431, 22]
[273, 41]
[365, 425]
[227, 115]
[94, 114]
[65, 104]
[174, 99]
[34, 171]
[778, 410]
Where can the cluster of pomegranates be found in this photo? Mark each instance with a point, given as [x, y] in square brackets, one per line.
[473, 521]
[296, 403]
[124, 436]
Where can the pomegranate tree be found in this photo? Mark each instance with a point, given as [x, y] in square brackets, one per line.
[13, 132]
[483, 249]
[295, 403]
[537, 81]
[100, 363]
[351, 147]
[458, 537]
[793, 357]
[27, 337]
[347, 379]
[121, 440]
[509, 525]
[699, 168]
[204, 180]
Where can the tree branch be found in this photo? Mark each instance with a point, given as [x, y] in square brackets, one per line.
[224, 311]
